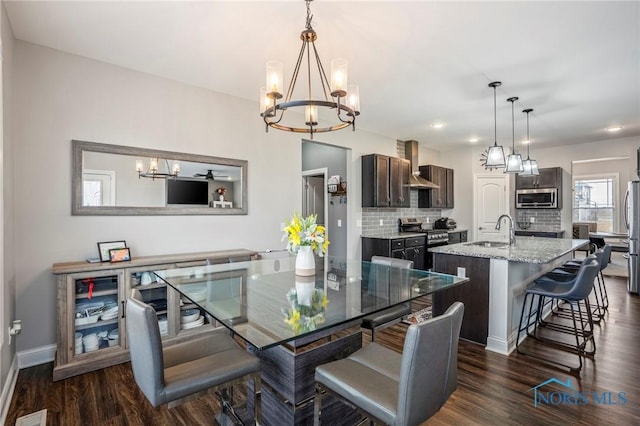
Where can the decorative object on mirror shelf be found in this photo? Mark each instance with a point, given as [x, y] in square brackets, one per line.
[307, 306]
[119, 255]
[514, 160]
[104, 247]
[530, 167]
[342, 99]
[221, 191]
[304, 238]
[495, 153]
[153, 171]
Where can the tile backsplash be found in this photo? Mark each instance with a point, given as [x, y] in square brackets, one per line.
[545, 219]
[371, 216]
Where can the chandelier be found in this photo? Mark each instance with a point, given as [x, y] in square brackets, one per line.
[336, 109]
[153, 172]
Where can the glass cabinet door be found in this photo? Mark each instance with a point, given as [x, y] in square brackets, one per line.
[97, 312]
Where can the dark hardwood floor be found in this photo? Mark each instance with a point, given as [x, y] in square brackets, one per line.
[492, 389]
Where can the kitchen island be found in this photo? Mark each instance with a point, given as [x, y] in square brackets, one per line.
[499, 273]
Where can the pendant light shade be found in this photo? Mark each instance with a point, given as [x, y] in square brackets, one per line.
[530, 166]
[514, 161]
[495, 154]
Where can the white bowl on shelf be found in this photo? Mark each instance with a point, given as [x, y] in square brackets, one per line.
[193, 324]
[189, 315]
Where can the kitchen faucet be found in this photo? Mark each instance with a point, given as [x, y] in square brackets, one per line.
[512, 233]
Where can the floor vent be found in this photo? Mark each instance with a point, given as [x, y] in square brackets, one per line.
[39, 418]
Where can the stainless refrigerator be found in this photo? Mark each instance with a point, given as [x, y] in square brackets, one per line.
[632, 218]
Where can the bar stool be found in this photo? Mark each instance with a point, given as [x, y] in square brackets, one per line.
[601, 296]
[573, 292]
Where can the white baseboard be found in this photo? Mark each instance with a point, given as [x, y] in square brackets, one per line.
[7, 390]
[36, 356]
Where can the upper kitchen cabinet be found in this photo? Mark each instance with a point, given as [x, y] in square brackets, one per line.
[385, 181]
[439, 198]
[550, 177]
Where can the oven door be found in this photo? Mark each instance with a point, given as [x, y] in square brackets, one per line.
[429, 255]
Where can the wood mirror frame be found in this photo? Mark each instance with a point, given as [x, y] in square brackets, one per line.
[236, 206]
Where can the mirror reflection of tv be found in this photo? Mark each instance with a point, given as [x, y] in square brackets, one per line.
[187, 192]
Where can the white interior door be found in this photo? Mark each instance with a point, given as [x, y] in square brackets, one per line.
[99, 188]
[314, 197]
[490, 202]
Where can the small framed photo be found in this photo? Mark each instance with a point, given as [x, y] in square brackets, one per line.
[119, 255]
[104, 247]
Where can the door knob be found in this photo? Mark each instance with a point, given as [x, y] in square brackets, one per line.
[480, 227]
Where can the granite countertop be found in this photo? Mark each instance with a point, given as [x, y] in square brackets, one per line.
[392, 235]
[526, 249]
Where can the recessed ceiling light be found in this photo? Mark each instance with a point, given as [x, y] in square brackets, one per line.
[438, 125]
[473, 140]
[614, 128]
[526, 141]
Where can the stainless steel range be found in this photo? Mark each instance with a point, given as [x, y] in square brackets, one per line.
[435, 237]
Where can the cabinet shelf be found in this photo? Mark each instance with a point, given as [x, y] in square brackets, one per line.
[97, 324]
[97, 294]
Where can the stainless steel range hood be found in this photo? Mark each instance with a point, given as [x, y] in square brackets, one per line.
[415, 180]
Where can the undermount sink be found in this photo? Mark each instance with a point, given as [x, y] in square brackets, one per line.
[489, 244]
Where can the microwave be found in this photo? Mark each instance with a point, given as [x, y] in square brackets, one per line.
[538, 198]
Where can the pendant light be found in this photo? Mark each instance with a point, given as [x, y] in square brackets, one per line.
[495, 154]
[514, 161]
[530, 166]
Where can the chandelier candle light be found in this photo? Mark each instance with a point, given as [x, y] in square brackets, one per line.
[530, 167]
[337, 94]
[304, 238]
[514, 160]
[153, 172]
[495, 154]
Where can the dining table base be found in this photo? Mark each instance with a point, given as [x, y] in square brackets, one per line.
[288, 383]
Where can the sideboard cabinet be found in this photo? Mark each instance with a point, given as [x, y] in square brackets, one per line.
[91, 301]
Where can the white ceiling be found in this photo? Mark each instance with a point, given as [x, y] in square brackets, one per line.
[576, 63]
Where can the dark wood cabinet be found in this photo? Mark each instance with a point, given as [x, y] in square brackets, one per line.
[547, 234]
[441, 198]
[409, 248]
[385, 181]
[549, 177]
[474, 294]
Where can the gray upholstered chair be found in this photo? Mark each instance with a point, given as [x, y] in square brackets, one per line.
[391, 315]
[393, 388]
[165, 376]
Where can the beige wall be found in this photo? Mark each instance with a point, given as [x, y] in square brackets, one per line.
[7, 269]
[60, 97]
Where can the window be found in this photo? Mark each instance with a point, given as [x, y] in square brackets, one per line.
[595, 200]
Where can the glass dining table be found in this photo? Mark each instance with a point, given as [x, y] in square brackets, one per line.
[293, 323]
[266, 304]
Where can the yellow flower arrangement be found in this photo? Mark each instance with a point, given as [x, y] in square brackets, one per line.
[304, 231]
[304, 318]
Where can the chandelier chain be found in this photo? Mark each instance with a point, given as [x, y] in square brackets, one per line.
[309, 15]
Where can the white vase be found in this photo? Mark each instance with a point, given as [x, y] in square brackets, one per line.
[305, 262]
[221, 198]
[304, 289]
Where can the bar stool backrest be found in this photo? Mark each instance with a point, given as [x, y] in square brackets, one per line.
[583, 283]
[604, 255]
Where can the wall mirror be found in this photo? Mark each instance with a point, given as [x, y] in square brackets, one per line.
[121, 180]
